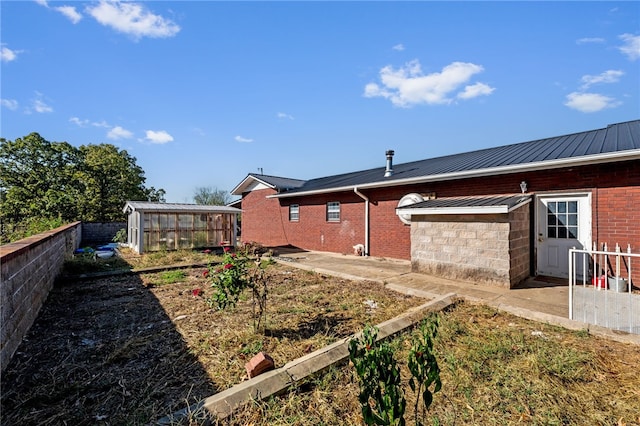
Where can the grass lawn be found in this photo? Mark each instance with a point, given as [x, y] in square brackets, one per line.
[496, 369]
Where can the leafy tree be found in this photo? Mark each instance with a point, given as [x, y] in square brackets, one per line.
[110, 177]
[211, 196]
[155, 195]
[44, 182]
[37, 178]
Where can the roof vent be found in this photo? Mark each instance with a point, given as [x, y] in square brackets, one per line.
[389, 170]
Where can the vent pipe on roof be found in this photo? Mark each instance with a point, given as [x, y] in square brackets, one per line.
[389, 170]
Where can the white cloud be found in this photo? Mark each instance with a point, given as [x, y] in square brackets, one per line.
[40, 106]
[243, 140]
[408, 86]
[119, 133]
[285, 115]
[100, 124]
[159, 137]
[586, 40]
[590, 102]
[11, 104]
[70, 12]
[609, 76]
[399, 47]
[78, 122]
[133, 19]
[631, 46]
[475, 90]
[8, 55]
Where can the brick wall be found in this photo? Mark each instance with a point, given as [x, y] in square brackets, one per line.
[29, 268]
[267, 221]
[261, 219]
[100, 232]
[615, 189]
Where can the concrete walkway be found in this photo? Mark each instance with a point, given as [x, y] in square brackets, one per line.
[539, 300]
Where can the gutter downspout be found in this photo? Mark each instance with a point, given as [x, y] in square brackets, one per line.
[366, 219]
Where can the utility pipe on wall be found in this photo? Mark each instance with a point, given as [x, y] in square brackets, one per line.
[366, 219]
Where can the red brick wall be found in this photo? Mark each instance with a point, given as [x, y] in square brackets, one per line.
[261, 221]
[615, 191]
[314, 232]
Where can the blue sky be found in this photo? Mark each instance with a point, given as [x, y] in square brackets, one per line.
[203, 93]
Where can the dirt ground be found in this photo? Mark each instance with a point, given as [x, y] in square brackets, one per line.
[131, 349]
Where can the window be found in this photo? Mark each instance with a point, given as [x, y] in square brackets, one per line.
[562, 219]
[333, 211]
[294, 213]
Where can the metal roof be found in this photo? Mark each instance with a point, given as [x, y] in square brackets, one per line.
[616, 142]
[146, 206]
[275, 182]
[468, 205]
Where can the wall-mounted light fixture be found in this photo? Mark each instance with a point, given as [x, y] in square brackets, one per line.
[523, 186]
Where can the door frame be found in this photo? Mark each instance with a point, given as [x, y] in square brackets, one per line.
[587, 226]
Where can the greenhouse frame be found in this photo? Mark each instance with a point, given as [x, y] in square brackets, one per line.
[169, 226]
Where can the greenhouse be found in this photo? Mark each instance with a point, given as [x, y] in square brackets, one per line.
[168, 226]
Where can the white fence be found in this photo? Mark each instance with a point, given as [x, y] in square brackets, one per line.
[601, 288]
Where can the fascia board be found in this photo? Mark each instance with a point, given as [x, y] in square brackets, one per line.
[499, 209]
[238, 190]
[454, 210]
[517, 206]
[633, 154]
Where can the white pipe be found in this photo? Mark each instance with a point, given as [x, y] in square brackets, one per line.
[571, 283]
[366, 219]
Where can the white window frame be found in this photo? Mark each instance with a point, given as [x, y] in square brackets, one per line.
[294, 212]
[333, 211]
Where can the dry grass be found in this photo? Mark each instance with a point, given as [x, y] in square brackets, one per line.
[130, 349]
[497, 369]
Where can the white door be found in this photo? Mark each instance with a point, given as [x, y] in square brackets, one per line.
[563, 222]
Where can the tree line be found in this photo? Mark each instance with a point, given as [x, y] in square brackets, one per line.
[45, 184]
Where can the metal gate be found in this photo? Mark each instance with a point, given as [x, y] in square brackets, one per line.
[601, 290]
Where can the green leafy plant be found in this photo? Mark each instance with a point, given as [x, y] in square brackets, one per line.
[228, 280]
[236, 274]
[381, 396]
[121, 236]
[423, 366]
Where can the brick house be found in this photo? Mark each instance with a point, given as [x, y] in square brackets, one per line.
[495, 216]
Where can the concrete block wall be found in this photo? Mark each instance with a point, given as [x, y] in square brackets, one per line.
[467, 247]
[520, 244]
[100, 232]
[28, 269]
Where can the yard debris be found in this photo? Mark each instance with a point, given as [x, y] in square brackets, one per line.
[180, 317]
[538, 334]
[371, 304]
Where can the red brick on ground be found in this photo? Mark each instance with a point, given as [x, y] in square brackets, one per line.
[259, 364]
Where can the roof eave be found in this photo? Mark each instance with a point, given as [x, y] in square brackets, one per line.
[529, 167]
[239, 189]
[499, 209]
